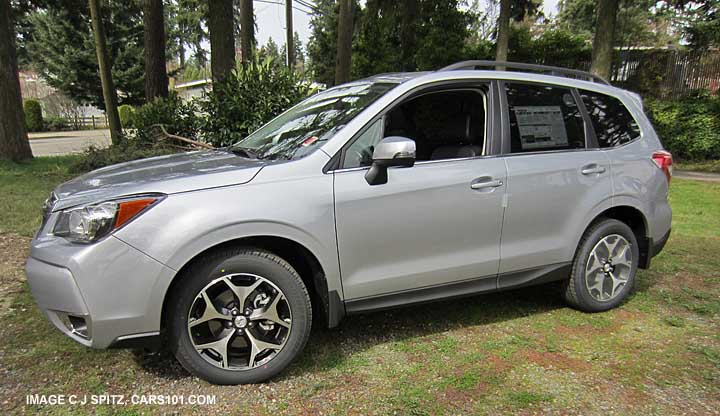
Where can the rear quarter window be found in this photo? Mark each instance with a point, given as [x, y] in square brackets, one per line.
[613, 123]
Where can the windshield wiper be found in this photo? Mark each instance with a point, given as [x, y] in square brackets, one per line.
[244, 152]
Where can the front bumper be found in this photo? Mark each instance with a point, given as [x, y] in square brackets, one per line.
[100, 295]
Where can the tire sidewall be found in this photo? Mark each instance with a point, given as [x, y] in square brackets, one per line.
[602, 230]
[245, 262]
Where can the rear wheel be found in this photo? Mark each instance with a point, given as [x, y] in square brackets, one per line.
[604, 267]
[239, 316]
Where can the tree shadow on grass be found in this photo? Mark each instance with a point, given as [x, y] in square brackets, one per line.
[332, 348]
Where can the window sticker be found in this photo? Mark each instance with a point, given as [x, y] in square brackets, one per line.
[541, 126]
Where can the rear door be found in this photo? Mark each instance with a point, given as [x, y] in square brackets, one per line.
[557, 179]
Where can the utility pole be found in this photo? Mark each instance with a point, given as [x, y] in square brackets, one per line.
[344, 42]
[108, 87]
[289, 34]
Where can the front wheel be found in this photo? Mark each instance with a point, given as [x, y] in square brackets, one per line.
[604, 268]
[239, 316]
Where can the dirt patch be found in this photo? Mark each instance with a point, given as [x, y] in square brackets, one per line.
[552, 360]
[13, 251]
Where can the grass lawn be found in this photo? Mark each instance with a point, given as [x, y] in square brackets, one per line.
[521, 351]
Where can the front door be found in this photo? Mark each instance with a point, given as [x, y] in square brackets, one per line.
[432, 230]
[425, 227]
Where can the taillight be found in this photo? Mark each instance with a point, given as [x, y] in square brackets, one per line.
[663, 160]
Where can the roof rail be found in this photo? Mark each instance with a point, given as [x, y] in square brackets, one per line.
[552, 70]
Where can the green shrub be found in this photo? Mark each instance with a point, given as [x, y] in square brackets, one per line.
[249, 98]
[147, 139]
[178, 117]
[690, 127]
[126, 112]
[125, 151]
[33, 115]
[56, 124]
[243, 102]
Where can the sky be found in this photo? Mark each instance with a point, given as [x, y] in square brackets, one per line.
[271, 20]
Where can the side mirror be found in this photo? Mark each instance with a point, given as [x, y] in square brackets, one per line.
[391, 151]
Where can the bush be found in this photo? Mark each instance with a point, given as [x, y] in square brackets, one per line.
[690, 127]
[56, 124]
[126, 113]
[243, 102]
[249, 98]
[125, 151]
[178, 117]
[33, 115]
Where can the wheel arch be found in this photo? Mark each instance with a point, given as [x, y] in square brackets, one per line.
[311, 271]
[638, 223]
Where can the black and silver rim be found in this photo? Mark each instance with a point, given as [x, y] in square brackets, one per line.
[239, 321]
[608, 267]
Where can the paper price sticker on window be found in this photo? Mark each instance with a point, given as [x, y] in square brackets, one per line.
[541, 126]
[310, 141]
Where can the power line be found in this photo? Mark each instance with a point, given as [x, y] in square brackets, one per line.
[282, 4]
[309, 5]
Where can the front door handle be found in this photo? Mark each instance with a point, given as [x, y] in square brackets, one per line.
[484, 183]
[592, 169]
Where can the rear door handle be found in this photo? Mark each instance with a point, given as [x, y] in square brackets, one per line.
[592, 169]
[484, 183]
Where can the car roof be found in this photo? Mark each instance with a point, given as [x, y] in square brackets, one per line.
[445, 75]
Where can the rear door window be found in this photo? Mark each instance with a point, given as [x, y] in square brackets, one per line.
[543, 118]
[613, 123]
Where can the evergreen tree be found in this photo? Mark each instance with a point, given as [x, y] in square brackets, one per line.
[323, 41]
[639, 22]
[156, 79]
[61, 49]
[390, 39]
[13, 136]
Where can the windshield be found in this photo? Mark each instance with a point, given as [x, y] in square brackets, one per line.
[300, 130]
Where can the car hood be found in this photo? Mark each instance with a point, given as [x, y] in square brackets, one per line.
[164, 174]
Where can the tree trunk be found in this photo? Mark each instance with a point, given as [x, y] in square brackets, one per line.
[289, 34]
[344, 42]
[108, 87]
[503, 35]
[156, 79]
[604, 38]
[13, 136]
[247, 30]
[222, 40]
[408, 34]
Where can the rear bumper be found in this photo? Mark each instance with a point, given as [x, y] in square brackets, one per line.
[100, 295]
[657, 246]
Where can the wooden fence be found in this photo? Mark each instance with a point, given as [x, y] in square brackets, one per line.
[667, 74]
[93, 122]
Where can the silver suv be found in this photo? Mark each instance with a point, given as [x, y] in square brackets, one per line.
[388, 191]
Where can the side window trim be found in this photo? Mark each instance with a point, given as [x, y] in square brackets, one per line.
[590, 137]
[492, 107]
[505, 113]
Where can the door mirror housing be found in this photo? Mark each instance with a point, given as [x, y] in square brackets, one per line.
[391, 151]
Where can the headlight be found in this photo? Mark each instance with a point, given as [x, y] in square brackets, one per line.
[93, 222]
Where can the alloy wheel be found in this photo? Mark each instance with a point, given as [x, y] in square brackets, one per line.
[239, 321]
[608, 267]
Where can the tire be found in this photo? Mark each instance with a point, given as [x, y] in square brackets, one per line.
[596, 289]
[211, 275]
